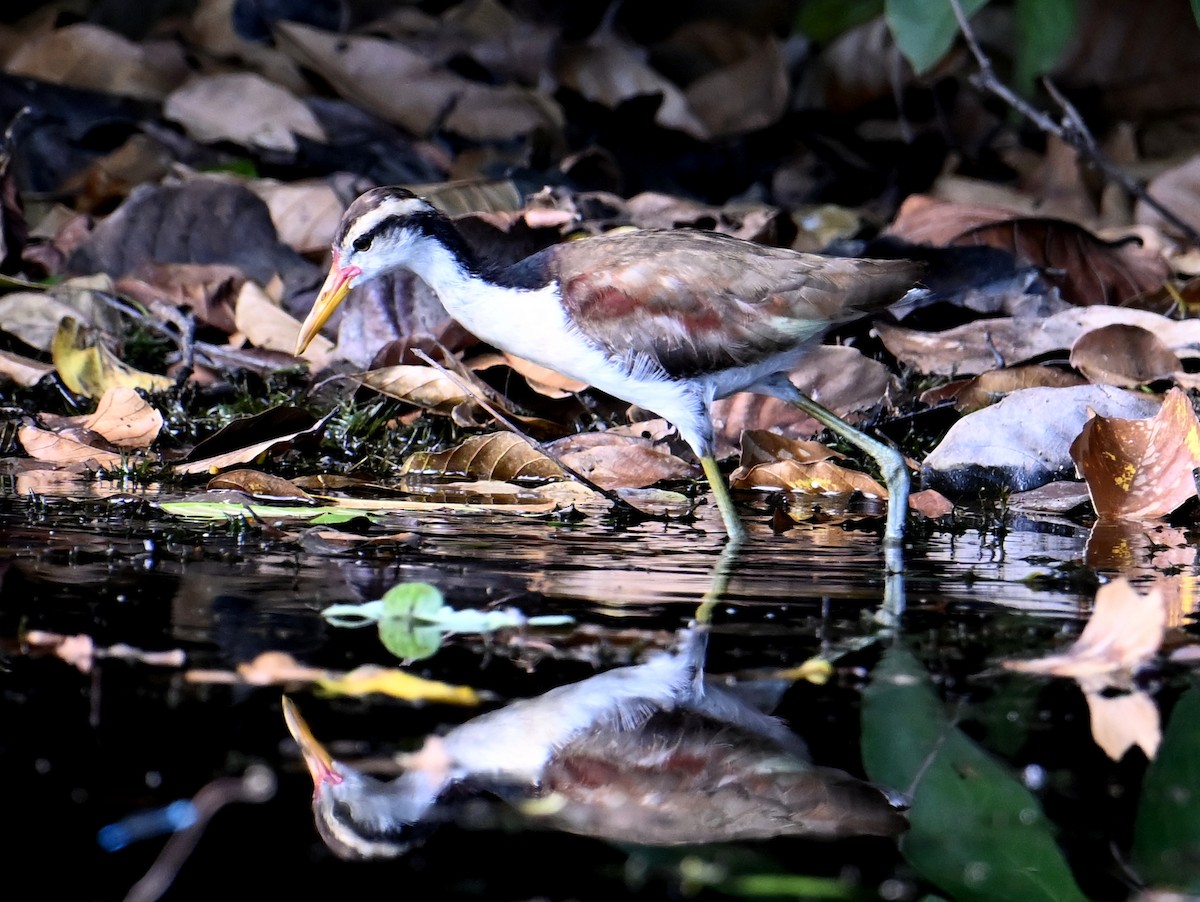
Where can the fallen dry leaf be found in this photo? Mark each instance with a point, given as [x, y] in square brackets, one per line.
[242, 108]
[90, 369]
[1123, 355]
[821, 477]
[259, 484]
[421, 386]
[930, 503]
[63, 448]
[618, 462]
[987, 388]
[88, 56]
[1123, 633]
[1140, 469]
[497, 455]
[24, 371]
[122, 418]
[268, 326]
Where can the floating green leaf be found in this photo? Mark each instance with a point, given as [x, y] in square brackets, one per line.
[1166, 844]
[976, 831]
[233, 510]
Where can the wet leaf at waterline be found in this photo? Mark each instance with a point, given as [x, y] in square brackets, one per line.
[976, 831]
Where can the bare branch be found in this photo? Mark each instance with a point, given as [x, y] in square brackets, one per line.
[1072, 129]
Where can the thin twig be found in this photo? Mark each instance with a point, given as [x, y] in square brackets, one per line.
[1072, 130]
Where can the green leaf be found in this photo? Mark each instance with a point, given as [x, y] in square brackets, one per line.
[236, 510]
[976, 831]
[925, 29]
[1044, 29]
[1166, 836]
[408, 641]
[824, 20]
[1196, 10]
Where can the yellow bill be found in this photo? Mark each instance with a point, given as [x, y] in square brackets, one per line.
[332, 293]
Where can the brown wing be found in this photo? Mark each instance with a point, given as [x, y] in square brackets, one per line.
[700, 301]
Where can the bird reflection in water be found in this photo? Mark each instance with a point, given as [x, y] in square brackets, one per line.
[651, 754]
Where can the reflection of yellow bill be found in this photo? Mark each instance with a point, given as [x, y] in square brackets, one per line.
[319, 761]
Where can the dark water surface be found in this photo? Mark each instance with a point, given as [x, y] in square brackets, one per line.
[82, 749]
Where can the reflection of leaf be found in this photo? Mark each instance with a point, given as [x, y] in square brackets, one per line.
[398, 684]
[1166, 844]
[413, 619]
[1122, 719]
[976, 831]
[1138, 469]
[1124, 631]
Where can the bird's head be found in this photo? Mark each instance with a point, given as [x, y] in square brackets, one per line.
[357, 815]
[378, 233]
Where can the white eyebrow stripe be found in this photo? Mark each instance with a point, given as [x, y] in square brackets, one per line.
[388, 209]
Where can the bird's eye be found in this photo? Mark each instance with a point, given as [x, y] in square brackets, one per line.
[362, 243]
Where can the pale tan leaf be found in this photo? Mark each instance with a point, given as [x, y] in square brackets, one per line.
[987, 388]
[43, 444]
[242, 108]
[819, 478]
[380, 75]
[23, 370]
[88, 56]
[305, 213]
[266, 325]
[615, 461]
[122, 417]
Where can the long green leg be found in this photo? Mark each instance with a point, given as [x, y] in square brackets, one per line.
[891, 465]
[733, 523]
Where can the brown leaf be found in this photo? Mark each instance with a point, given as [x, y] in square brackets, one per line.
[930, 503]
[1086, 269]
[1140, 469]
[1124, 631]
[88, 56]
[207, 289]
[618, 462]
[421, 386]
[259, 484]
[762, 446]
[54, 447]
[988, 388]
[1123, 355]
[121, 417]
[822, 477]
[498, 455]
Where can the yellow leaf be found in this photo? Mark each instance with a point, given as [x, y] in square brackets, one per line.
[90, 370]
